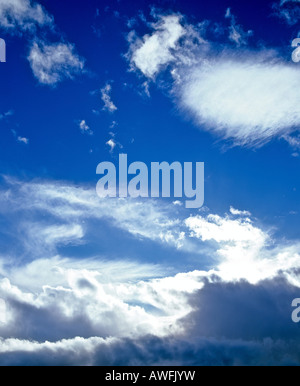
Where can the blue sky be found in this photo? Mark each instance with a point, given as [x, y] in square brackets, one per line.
[183, 81]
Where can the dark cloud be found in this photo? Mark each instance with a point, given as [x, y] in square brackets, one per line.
[231, 324]
[151, 350]
[244, 311]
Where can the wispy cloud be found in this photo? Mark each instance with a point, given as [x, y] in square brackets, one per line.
[106, 98]
[51, 63]
[242, 99]
[235, 94]
[288, 10]
[23, 140]
[236, 32]
[7, 114]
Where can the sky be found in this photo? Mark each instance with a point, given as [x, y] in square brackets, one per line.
[92, 281]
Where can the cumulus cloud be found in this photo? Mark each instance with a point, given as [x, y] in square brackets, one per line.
[23, 15]
[23, 140]
[152, 52]
[94, 310]
[245, 251]
[84, 305]
[52, 63]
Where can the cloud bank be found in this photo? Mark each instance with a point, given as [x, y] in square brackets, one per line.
[95, 311]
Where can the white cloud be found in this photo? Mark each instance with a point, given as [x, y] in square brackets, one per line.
[245, 251]
[67, 204]
[52, 63]
[234, 93]
[112, 144]
[23, 15]
[2, 311]
[293, 141]
[59, 304]
[86, 306]
[154, 51]
[237, 212]
[23, 140]
[242, 99]
[84, 128]
[106, 98]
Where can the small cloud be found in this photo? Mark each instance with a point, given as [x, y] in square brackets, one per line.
[112, 144]
[53, 63]
[113, 125]
[237, 212]
[177, 203]
[23, 140]
[293, 213]
[7, 114]
[288, 10]
[84, 128]
[106, 98]
[236, 33]
[293, 141]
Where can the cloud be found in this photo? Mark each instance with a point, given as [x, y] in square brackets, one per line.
[234, 93]
[112, 144]
[84, 128]
[288, 10]
[237, 212]
[53, 62]
[23, 15]
[23, 140]
[293, 141]
[152, 52]
[241, 98]
[106, 98]
[66, 204]
[94, 310]
[225, 324]
[244, 251]
[83, 304]
[236, 33]
[148, 351]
